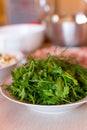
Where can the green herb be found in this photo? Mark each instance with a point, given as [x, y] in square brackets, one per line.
[49, 81]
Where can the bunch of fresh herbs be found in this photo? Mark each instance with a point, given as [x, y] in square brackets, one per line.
[49, 81]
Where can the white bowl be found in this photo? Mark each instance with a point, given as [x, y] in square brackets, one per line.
[23, 37]
[6, 70]
[47, 109]
[80, 54]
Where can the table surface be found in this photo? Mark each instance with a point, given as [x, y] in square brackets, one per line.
[18, 117]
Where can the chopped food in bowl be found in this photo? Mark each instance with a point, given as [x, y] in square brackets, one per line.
[8, 61]
[49, 84]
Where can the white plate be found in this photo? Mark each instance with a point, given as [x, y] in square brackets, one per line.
[51, 109]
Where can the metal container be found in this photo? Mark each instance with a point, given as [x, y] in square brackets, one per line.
[68, 28]
[67, 33]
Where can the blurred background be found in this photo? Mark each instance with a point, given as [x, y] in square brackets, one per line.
[20, 11]
[65, 20]
[17, 11]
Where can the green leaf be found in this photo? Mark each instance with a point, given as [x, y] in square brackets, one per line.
[66, 91]
[59, 87]
[22, 94]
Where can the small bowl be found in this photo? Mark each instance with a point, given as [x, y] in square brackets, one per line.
[6, 70]
[23, 37]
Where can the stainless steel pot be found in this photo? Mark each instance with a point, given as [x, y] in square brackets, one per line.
[67, 33]
[69, 29]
